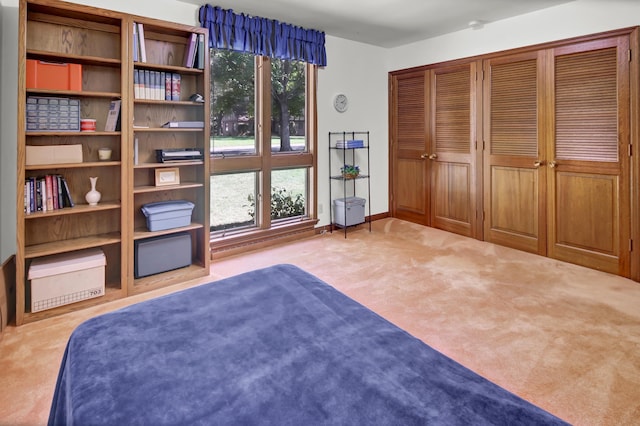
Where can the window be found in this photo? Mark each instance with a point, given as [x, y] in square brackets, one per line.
[263, 145]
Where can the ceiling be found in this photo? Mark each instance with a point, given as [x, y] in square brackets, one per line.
[384, 23]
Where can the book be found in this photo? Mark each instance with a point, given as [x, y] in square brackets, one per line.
[147, 85]
[27, 204]
[59, 188]
[54, 192]
[136, 43]
[143, 48]
[184, 124]
[113, 116]
[190, 50]
[201, 51]
[66, 193]
[167, 86]
[175, 86]
[49, 185]
[136, 83]
[135, 152]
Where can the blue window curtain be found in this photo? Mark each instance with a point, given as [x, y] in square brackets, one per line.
[261, 36]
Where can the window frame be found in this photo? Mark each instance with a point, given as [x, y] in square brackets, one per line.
[264, 161]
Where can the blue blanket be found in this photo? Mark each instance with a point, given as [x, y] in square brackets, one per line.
[275, 346]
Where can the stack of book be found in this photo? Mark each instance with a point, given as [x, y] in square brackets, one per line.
[194, 52]
[46, 193]
[354, 143]
[156, 85]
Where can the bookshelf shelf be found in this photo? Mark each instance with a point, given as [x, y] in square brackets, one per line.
[172, 68]
[176, 164]
[167, 130]
[72, 134]
[77, 209]
[141, 233]
[76, 59]
[74, 93]
[148, 188]
[64, 246]
[92, 164]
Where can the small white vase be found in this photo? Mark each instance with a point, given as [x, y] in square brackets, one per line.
[93, 196]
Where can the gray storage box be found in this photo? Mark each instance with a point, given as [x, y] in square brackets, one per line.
[161, 254]
[167, 214]
[348, 211]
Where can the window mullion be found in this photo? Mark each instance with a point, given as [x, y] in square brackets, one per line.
[263, 104]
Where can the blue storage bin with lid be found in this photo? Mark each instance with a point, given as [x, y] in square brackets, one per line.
[168, 214]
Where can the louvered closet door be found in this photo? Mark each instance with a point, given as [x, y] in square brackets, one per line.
[589, 168]
[453, 183]
[514, 172]
[409, 173]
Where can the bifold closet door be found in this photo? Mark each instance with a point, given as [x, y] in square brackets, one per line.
[409, 132]
[452, 149]
[514, 159]
[588, 188]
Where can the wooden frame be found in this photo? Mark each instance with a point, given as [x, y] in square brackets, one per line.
[167, 176]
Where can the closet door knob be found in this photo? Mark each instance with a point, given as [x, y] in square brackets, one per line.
[424, 156]
[553, 164]
[538, 163]
[433, 156]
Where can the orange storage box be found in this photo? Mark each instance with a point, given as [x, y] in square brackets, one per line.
[53, 75]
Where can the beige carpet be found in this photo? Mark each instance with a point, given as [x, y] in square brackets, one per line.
[564, 337]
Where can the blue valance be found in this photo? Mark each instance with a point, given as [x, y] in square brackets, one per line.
[262, 36]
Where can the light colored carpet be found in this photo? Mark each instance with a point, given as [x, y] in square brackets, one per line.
[564, 337]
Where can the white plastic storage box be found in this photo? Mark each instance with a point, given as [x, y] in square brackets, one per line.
[66, 278]
[167, 214]
[348, 211]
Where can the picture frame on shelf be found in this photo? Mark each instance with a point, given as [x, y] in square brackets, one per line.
[167, 176]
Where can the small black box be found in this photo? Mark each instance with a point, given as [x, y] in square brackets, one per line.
[161, 254]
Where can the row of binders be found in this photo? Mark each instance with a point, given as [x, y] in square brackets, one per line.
[194, 52]
[46, 193]
[156, 85]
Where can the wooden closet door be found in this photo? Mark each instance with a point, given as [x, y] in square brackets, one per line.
[452, 153]
[514, 172]
[589, 168]
[409, 131]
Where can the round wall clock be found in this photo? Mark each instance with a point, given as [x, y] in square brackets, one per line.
[340, 102]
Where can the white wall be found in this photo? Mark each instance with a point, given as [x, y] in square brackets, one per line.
[8, 128]
[577, 18]
[356, 70]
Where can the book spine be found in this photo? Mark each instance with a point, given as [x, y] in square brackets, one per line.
[32, 194]
[147, 84]
[60, 192]
[136, 43]
[136, 84]
[135, 152]
[27, 206]
[201, 51]
[175, 86]
[143, 49]
[49, 186]
[112, 116]
[43, 194]
[54, 192]
[190, 50]
[67, 193]
[167, 86]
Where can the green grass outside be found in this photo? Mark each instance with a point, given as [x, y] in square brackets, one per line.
[234, 141]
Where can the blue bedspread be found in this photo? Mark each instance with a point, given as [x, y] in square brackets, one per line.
[275, 346]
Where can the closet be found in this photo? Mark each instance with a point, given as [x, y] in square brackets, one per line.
[530, 148]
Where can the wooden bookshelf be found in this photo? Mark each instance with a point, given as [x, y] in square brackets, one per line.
[101, 41]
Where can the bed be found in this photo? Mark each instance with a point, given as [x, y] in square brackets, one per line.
[274, 346]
